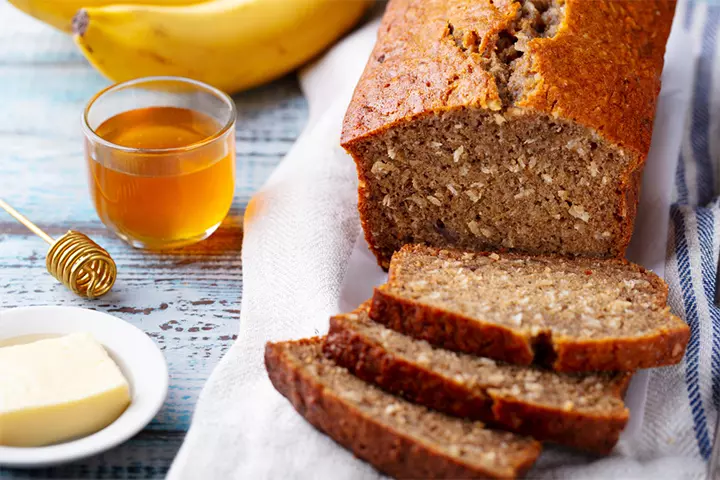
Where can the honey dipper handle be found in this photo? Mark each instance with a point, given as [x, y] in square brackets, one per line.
[31, 226]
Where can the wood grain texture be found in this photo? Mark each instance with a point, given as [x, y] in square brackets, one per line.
[187, 300]
[144, 456]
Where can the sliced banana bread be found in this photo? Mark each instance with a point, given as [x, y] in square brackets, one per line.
[571, 314]
[585, 411]
[397, 437]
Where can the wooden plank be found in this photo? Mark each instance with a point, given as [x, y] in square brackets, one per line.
[148, 455]
[187, 300]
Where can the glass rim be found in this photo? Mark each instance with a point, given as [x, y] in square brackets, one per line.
[92, 135]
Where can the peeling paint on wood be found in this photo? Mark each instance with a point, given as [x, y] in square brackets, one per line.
[187, 300]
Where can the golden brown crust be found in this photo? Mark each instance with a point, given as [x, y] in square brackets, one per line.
[364, 209]
[372, 362]
[450, 330]
[456, 332]
[593, 434]
[416, 67]
[665, 347]
[612, 48]
[453, 331]
[391, 452]
[628, 208]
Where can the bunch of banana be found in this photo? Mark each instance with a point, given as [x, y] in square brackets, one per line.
[59, 13]
[230, 44]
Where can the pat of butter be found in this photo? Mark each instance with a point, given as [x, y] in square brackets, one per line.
[58, 389]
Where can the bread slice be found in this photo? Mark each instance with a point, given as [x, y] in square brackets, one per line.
[397, 437]
[584, 411]
[572, 314]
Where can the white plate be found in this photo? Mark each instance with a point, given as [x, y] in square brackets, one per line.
[136, 354]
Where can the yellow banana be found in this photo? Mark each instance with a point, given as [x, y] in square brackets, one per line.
[230, 44]
[59, 13]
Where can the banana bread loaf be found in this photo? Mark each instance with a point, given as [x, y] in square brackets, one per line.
[571, 314]
[521, 124]
[584, 411]
[397, 437]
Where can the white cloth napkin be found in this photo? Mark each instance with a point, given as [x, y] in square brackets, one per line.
[299, 232]
[299, 249]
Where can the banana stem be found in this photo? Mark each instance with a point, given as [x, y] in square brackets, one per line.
[80, 22]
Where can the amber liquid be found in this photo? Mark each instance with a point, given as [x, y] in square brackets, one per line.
[157, 199]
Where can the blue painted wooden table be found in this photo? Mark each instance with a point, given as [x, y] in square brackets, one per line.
[187, 301]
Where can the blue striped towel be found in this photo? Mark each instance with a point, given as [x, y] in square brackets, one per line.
[693, 245]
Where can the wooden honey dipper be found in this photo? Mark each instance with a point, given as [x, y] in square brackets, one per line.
[74, 259]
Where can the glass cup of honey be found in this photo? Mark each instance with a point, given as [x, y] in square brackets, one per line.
[161, 159]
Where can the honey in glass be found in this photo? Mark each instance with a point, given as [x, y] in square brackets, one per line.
[162, 176]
